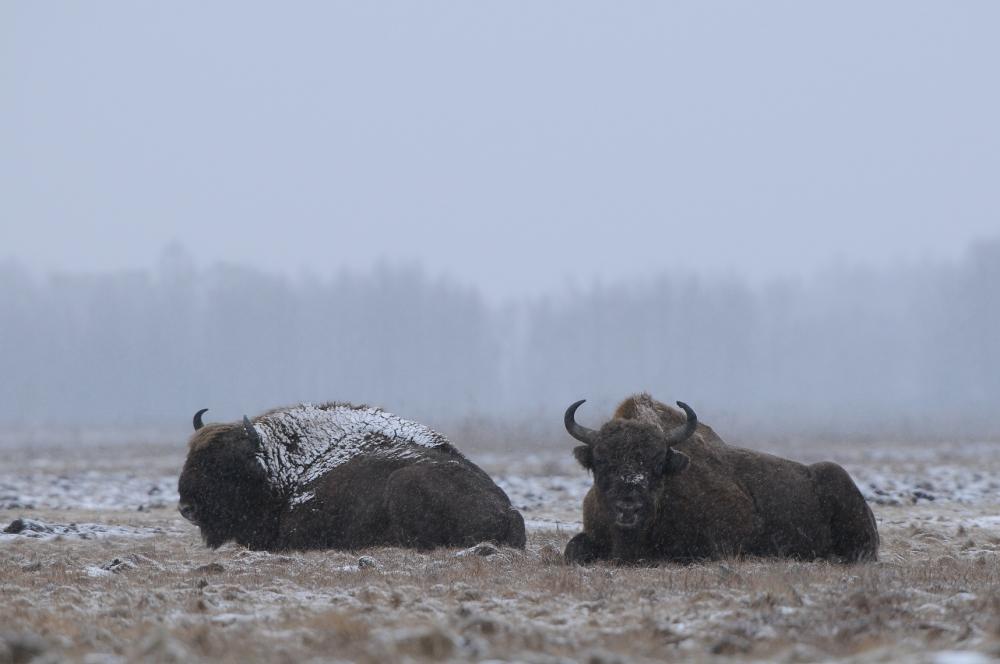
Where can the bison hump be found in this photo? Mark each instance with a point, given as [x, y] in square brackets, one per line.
[302, 443]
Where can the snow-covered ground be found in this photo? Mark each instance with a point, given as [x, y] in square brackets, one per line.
[87, 490]
[548, 488]
[98, 566]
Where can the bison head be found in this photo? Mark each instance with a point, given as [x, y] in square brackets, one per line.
[223, 489]
[630, 459]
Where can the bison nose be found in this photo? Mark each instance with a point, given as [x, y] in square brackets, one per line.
[628, 513]
[187, 511]
[627, 506]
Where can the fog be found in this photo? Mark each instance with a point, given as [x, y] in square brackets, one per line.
[911, 351]
[785, 214]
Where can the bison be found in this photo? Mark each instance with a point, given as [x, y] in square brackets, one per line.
[668, 488]
[338, 476]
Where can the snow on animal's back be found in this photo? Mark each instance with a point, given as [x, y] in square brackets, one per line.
[302, 443]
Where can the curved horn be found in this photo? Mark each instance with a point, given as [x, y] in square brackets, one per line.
[581, 433]
[681, 433]
[251, 432]
[197, 419]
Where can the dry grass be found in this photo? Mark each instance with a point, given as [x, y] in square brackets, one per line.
[171, 599]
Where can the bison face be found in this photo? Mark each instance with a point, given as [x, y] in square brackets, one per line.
[630, 460]
[223, 490]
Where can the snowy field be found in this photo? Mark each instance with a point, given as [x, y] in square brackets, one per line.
[98, 566]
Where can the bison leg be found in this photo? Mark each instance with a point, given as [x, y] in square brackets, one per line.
[584, 549]
[446, 505]
[852, 524]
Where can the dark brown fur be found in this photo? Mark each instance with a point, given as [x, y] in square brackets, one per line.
[705, 499]
[442, 500]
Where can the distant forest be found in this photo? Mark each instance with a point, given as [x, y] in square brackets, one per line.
[908, 351]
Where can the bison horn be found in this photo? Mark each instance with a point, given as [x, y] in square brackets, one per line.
[581, 433]
[681, 433]
[197, 419]
[251, 432]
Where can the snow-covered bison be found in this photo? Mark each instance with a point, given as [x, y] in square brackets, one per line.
[668, 488]
[338, 476]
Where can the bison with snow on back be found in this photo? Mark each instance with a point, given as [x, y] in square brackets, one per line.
[668, 488]
[338, 476]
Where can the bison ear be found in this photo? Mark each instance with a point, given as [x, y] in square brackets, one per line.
[676, 462]
[585, 455]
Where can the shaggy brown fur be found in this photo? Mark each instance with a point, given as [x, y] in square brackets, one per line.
[431, 496]
[702, 498]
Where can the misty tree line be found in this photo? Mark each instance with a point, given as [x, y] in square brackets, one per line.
[910, 350]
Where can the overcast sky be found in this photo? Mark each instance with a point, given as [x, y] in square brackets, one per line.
[518, 146]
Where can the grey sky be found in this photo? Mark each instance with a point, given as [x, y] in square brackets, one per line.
[517, 146]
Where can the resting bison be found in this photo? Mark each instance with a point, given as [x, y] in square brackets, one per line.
[670, 489]
[338, 476]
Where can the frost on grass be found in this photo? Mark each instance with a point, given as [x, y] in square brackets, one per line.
[483, 549]
[119, 565]
[40, 530]
[913, 482]
[932, 597]
[87, 489]
[303, 443]
[547, 502]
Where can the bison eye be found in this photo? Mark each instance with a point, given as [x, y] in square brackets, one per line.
[660, 465]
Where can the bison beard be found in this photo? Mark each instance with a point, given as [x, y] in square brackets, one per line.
[338, 476]
[668, 488]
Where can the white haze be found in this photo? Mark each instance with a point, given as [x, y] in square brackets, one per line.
[784, 213]
[911, 351]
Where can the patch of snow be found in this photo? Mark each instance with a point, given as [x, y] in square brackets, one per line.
[303, 443]
[303, 497]
[552, 524]
[910, 483]
[94, 571]
[367, 562]
[39, 530]
[87, 490]
[484, 549]
[931, 607]
[982, 522]
[959, 599]
[634, 478]
[555, 498]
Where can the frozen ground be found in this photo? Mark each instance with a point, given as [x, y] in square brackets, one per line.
[98, 566]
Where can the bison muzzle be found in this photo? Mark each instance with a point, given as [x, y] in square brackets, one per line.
[338, 476]
[668, 488]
